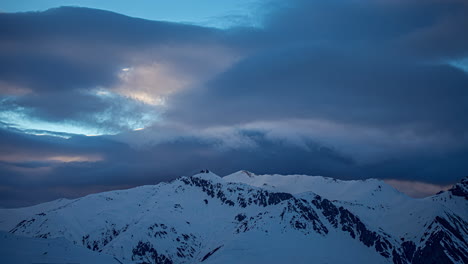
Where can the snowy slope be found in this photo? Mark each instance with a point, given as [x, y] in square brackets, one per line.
[24, 250]
[378, 204]
[245, 218]
[369, 192]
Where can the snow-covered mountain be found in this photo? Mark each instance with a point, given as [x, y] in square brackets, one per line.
[244, 218]
[26, 250]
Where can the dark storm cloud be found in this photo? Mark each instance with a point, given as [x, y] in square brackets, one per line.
[190, 152]
[309, 82]
[428, 27]
[357, 61]
[358, 65]
[123, 166]
[99, 25]
[60, 55]
[381, 64]
[377, 60]
[15, 142]
[67, 48]
[378, 65]
[50, 72]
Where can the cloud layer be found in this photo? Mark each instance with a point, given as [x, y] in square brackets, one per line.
[347, 89]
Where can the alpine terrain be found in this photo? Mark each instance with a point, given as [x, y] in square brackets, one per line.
[242, 218]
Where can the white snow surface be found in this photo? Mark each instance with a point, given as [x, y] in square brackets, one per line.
[184, 222]
[376, 202]
[24, 250]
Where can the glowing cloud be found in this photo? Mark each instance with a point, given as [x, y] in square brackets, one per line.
[417, 189]
[150, 84]
[61, 158]
[82, 158]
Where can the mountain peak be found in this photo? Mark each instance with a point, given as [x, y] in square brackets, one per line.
[461, 188]
[207, 175]
[208, 218]
[248, 173]
[242, 174]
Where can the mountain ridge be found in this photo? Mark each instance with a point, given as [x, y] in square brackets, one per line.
[211, 219]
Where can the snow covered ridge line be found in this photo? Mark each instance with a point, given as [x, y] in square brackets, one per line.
[247, 218]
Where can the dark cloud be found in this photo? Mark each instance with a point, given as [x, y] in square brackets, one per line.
[59, 56]
[53, 72]
[429, 28]
[77, 23]
[123, 166]
[190, 152]
[309, 82]
[380, 64]
[36, 147]
[358, 76]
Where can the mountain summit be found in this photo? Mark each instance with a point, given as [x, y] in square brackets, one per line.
[243, 218]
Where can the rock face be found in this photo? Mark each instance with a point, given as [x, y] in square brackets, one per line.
[246, 218]
[460, 189]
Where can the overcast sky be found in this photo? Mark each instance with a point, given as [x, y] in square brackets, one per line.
[93, 100]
